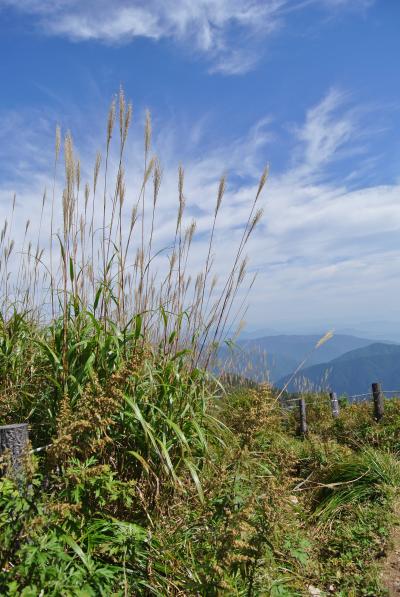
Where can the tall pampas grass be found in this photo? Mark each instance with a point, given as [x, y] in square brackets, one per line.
[109, 264]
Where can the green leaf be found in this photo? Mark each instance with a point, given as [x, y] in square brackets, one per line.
[180, 353]
[140, 458]
[71, 269]
[78, 550]
[97, 298]
[164, 316]
[138, 326]
[195, 477]
[55, 360]
[165, 455]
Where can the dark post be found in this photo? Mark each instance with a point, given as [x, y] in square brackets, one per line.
[378, 401]
[303, 416]
[334, 404]
[14, 438]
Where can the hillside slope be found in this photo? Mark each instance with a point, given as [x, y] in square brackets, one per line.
[272, 357]
[353, 372]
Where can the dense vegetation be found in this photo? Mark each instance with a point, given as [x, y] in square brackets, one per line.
[147, 476]
[134, 497]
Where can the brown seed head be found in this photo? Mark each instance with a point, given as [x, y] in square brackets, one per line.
[69, 162]
[128, 118]
[156, 180]
[58, 141]
[221, 191]
[96, 171]
[262, 182]
[87, 193]
[122, 106]
[255, 221]
[133, 217]
[110, 121]
[148, 171]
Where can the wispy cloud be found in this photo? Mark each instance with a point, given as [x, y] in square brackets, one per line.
[326, 247]
[357, 4]
[327, 129]
[226, 32]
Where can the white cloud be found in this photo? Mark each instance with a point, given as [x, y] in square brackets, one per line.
[323, 133]
[111, 21]
[324, 250]
[225, 31]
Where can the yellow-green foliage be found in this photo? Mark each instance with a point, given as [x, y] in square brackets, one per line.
[238, 507]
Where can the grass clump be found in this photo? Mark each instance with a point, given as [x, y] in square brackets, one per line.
[369, 474]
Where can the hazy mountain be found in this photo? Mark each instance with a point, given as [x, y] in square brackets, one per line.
[272, 357]
[254, 334]
[352, 372]
[382, 331]
[375, 349]
[255, 363]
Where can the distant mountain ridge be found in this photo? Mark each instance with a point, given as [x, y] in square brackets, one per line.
[296, 346]
[374, 349]
[270, 358]
[352, 372]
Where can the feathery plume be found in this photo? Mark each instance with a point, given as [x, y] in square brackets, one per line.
[110, 121]
[58, 141]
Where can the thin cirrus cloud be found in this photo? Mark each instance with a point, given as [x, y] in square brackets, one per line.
[322, 240]
[226, 32]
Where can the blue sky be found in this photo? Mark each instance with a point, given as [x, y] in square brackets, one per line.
[309, 86]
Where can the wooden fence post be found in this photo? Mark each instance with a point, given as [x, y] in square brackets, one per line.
[334, 404]
[303, 416]
[378, 401]
[15, 439]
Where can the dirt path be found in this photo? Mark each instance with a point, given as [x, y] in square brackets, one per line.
[391, 567]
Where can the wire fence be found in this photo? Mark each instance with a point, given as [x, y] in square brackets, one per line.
[316, 400]
[302, 401]
[330, 399]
